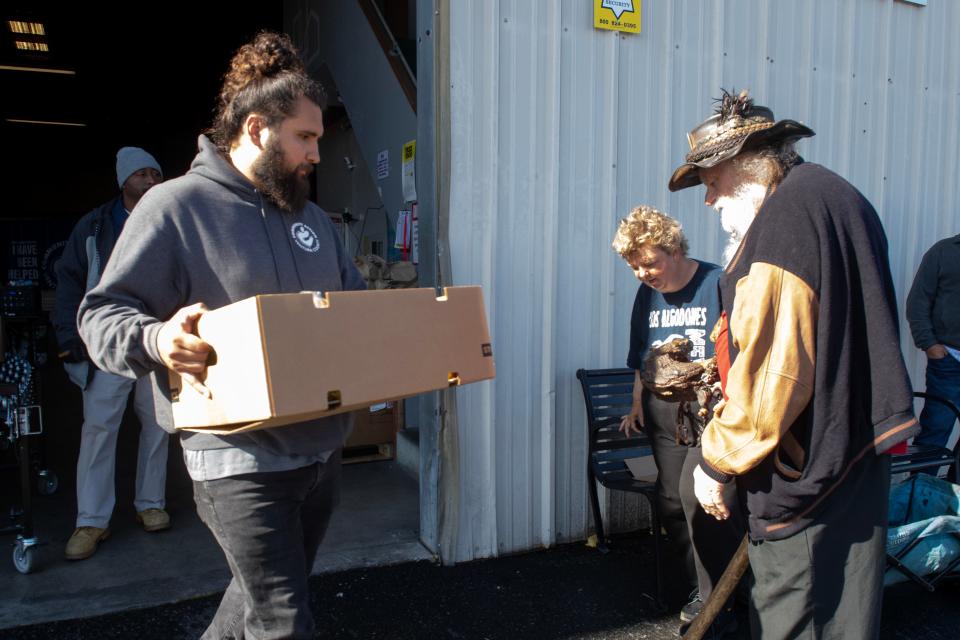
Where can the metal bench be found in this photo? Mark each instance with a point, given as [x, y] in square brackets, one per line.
[920, 457]
[608, 395]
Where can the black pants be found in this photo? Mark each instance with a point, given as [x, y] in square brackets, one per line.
[269, 526]
[827, 580]
[707, 544]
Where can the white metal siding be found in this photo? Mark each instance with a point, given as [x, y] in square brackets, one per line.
[559, 129]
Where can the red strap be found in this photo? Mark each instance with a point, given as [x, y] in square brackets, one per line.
[722, 349]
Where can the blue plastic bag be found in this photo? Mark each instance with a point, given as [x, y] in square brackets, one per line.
[925, 509]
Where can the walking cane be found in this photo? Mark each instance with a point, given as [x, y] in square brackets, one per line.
[720, 594]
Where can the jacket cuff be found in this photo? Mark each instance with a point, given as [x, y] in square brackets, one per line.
[719, 476]
[924, 339]
[150, 332]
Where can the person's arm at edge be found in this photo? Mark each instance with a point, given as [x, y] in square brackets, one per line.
[920, 301]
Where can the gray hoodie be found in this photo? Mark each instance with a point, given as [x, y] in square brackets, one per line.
[212, 237]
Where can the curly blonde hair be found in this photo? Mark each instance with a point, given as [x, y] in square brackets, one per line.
[647, 226]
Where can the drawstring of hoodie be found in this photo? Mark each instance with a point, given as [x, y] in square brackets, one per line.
[266, 230]
[273, 254]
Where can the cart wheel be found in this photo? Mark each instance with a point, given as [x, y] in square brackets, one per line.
[47, 483]
[23, 557]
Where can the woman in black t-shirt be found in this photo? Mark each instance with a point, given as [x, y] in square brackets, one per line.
[678, 298]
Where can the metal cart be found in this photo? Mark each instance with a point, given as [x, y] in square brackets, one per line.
[923, 542]
[19, 421]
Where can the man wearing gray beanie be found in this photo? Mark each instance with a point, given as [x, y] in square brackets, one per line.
[105, 394]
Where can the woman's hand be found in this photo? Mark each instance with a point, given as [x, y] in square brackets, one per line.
[633, 421]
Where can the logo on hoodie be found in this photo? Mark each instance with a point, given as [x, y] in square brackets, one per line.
[305, 237]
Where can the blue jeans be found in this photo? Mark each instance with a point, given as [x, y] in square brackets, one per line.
[936, 419]
[269, 526]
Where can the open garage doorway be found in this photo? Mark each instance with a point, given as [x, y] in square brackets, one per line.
[150, 79]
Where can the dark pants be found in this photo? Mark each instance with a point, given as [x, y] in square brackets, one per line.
[269, 526]
[707, 544]
[827, 580]
[936, 420]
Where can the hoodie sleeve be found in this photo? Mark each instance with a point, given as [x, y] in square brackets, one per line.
[142, 286]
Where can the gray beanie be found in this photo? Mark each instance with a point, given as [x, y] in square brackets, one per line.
[132, 159]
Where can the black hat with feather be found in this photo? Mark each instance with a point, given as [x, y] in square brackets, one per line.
[738, 125]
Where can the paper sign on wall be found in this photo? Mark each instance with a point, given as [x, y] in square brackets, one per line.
[408, 171]
[23, 264]
[414, 235]
[404, 232]
[617, 15]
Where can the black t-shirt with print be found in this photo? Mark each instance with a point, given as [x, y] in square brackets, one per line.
[690, 313]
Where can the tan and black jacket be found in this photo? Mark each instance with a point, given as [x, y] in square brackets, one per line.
[817, 379]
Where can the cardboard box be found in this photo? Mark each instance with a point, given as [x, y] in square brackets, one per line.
[285, 358]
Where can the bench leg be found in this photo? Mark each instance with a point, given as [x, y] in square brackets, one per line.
[595, 505]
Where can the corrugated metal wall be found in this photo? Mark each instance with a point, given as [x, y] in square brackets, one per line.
[558, 130]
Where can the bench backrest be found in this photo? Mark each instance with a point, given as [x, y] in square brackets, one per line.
[608, 395]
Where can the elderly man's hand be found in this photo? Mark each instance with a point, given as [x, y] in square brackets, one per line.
[710, 494]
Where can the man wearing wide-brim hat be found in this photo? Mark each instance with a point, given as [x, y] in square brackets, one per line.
[816, 388]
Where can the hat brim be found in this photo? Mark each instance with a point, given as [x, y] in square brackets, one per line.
[688, 174]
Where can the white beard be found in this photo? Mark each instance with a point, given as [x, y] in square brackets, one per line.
[737, 213]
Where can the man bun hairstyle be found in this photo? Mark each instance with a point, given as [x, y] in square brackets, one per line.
[267, 77]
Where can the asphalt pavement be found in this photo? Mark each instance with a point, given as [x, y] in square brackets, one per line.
[569, 592]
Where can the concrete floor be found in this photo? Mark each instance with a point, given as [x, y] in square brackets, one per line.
[376, 524]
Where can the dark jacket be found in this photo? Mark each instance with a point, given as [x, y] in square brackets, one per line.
[78, 269]
[817, 380]
[933, 306]
[210, 236]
